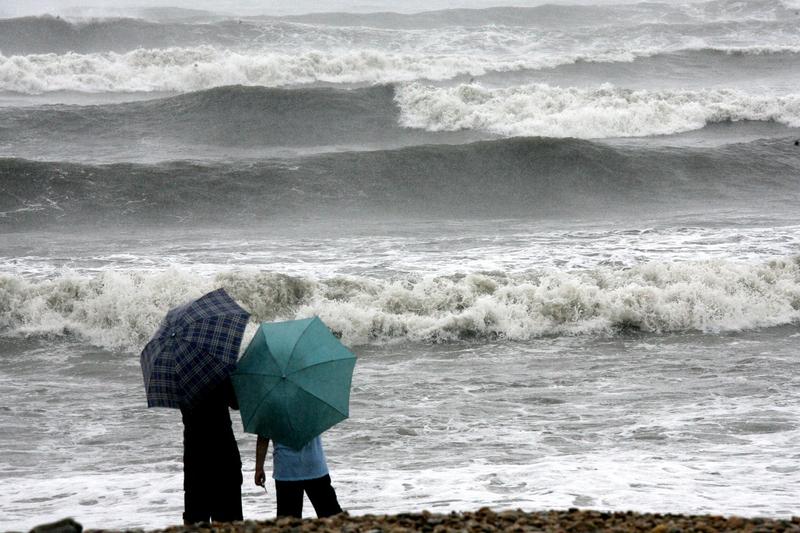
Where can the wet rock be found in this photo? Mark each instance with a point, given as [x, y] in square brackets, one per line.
[67, 525]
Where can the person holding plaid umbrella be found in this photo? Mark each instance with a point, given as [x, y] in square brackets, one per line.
[212, 467]
[187, 365]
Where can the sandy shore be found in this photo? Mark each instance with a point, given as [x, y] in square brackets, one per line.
[486, 520]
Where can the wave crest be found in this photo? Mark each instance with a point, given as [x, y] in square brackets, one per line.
[606, 111]
[204, 67]
[196, 68]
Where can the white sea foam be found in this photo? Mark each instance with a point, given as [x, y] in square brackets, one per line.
[121, 310]
[204, 67]
[623, 481]
[189, 69]
[605, 111]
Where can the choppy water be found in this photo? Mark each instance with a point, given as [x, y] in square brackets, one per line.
[563, 241]
[688, 423]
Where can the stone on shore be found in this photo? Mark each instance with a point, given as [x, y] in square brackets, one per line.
[67, 525]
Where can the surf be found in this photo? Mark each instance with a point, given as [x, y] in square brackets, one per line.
[119, 310]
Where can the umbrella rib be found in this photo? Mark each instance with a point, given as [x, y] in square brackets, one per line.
[317, 397]
[318, 364]
[286, 409]
[222, 313]
[291, 353]
[217, 314]
[263, 399]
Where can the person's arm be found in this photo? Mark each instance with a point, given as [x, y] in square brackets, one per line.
[261, 453]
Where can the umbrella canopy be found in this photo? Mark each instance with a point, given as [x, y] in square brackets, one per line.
[194, 350]
[293, 381]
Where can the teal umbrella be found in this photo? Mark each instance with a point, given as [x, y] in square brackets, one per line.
[293, 381]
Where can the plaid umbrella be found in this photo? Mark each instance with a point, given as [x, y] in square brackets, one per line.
[194, 350]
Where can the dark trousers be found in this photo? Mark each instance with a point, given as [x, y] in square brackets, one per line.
[209, 501]
[320, 491]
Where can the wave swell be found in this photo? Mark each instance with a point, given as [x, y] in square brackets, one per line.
[48, 34]
[192, 125]
[532, 177]
[560, 16]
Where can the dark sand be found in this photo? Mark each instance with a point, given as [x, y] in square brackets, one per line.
[485, 520]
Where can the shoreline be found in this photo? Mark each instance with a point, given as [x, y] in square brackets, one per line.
[483, 520]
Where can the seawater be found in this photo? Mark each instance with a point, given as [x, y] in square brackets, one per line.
[562, 240]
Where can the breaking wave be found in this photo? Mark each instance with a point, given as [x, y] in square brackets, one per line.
[607, 111]
[194, 68]
[88, 30]
[122, 310]
[207, 125]
[204, 67]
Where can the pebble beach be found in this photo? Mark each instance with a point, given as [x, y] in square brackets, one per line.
[487, 520]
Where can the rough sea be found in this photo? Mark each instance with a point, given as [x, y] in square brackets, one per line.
[563, 241]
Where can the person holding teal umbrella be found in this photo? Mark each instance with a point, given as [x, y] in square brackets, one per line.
[296, 472]
[292, 384]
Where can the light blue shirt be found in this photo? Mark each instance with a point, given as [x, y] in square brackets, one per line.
[295, 465]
